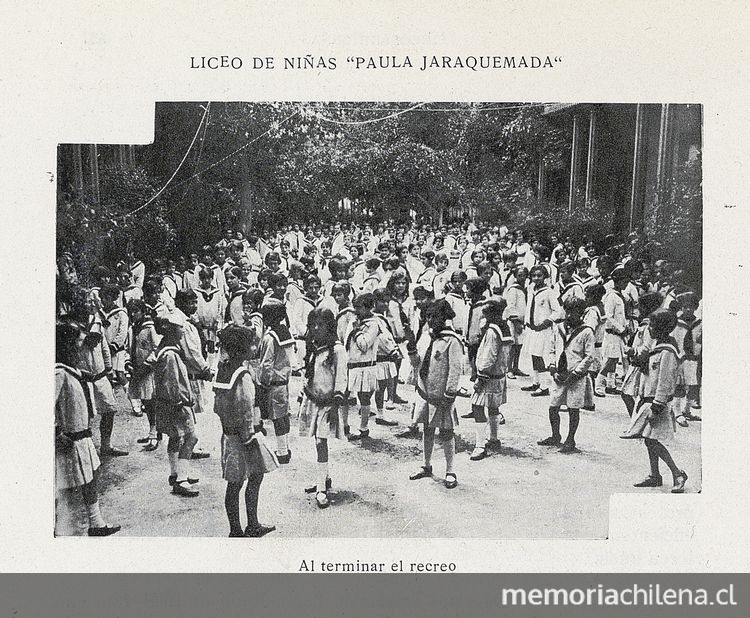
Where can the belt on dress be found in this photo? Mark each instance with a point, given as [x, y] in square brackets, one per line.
[361, 365]
[491, 376]
[88, 377]
[79, 435]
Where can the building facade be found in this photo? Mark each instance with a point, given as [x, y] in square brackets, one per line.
[621, 156]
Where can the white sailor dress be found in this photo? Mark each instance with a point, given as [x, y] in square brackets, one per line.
[659, 383]
[515, 297]
[594, 317]
[75, 464]
[492, 365]
[542, 304]
[385, 365]
[616, 325]
[325, 387]
[273, 375]
[641, 348]
[116, 333]
[362, 348]
[574, 363]
[437, 381]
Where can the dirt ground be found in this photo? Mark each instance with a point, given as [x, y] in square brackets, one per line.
[521, 490]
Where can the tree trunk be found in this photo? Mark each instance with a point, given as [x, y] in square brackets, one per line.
[246, 198]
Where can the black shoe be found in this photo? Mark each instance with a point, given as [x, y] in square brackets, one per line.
[542, 392]
[450, 482]
[679, 482]
[425, 472]
[285, 459]
[143, 440]
[258, 531]
[521, 374]
[387, 423]
[362, 435]
[590, 408]
[314, 488]
[613, 391]
[172, 479]
[469, 415]
[568, 447]
[649, 481]
[530, 387]
[199, 455]
[551, 441]
[411, 432]
[481, 454]
[234, 534]
[183, 489]
[104, 530]
[399, 400]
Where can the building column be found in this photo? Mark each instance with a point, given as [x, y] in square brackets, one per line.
[663, 171]
[637, 154]
[590, 157]
[574, 159]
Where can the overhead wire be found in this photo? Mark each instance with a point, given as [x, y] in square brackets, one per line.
[171, 178]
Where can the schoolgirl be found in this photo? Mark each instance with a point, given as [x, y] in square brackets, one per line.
[437, 388]
[173, 403]
[638, 352]
[76, 461]
[143, 343]
[387, 354]
[208, 316]
[542, 311]
[616, 327]
[492, 363]
[362, 348]
[241, 456]
[324, 395]
[515, 311]
[574, 348]
[654, 419]
[274, 371]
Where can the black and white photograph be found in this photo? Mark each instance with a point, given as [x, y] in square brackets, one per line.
[379, 319]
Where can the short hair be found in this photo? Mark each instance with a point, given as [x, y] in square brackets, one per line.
[381, 295]
[574, 305]
[341, 286]
[595, 293]
[110, 292]
[441, 257]
[276, 279]
[662, 321]
[366, 299]
[254, 295]
[429, 254]
[183, 297]
[538, 269]
[311, 279]
[372, 263]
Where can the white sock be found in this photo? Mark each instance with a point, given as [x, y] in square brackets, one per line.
[95, 516]
[479, 428]
[283, 444]
[172, 462]
[322, 476]
[136, 405]
[379, 413]
[182, 469]
[534, 376]
[449, 450]
[364, 417]
[494, 423]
